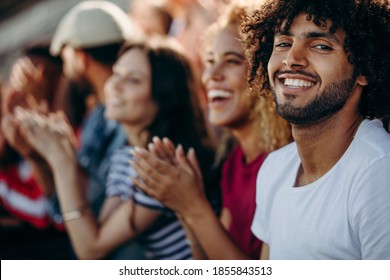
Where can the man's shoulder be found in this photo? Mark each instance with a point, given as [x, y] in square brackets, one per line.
[287, 151]
[281, 158]
[372, 139]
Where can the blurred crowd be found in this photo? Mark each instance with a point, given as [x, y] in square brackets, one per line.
[118, 103]
[79, 78]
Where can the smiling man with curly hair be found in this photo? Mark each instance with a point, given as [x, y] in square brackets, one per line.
[325, 196]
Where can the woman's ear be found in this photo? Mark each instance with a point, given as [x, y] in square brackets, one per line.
[361, 80]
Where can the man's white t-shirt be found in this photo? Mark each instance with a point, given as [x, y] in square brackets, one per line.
[345, 214]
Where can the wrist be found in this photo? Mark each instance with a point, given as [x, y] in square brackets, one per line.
[195, 214]
[62, 161]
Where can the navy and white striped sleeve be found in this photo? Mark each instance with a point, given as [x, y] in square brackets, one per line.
[119, 182]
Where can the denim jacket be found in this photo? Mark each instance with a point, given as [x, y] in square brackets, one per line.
[100, 137]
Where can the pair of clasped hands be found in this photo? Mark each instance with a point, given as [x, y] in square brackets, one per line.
[26, 122]
[168, 174]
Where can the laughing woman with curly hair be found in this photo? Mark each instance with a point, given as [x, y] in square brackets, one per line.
[253, 128]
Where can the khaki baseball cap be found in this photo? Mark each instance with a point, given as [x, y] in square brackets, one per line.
[93, 24]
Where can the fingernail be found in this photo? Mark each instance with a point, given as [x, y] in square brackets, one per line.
[150, 146]
[155, 139]
[180, 149]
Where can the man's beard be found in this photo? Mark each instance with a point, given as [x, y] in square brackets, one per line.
[326, 104]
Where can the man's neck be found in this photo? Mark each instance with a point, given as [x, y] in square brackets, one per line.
[321, 145]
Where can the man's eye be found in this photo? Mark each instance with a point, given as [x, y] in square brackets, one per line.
[283, 45]
[323, 47]
[133, 80]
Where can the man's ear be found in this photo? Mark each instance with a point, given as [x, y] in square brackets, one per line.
[82, 60]
[361, 80]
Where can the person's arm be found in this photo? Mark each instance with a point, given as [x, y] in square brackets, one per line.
[41, 170]
[24, 87]
[197, 250]
[369, 210]
[90, 239]
[109, 206]
[264, 254]
[42, 174]
[181, 189]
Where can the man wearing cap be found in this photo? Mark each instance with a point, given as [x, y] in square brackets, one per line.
[88, 39]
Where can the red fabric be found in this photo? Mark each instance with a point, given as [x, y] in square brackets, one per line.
[22, 196]
[238, 185]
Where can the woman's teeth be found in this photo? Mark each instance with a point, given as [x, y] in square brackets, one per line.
[213, 94]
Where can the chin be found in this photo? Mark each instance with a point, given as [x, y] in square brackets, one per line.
[217, 121]
[221, 123]
[110, 116]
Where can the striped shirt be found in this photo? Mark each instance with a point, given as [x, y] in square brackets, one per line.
[165, 239]
[21, 196]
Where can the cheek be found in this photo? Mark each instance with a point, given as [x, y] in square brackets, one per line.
[331, 70]
[140, 99]
[246, 104]
[238, 80]
[109, 87]
[273, 61]
[205, 76]
[241, 107]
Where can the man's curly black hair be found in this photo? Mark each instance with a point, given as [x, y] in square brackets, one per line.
[367, 27]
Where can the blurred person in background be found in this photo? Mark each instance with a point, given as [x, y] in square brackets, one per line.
[26, 227]
[189, 20]
[151, 16]
[151, 92]
[88, 39]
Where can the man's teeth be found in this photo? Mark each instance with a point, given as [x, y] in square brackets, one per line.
[297, 83]
[218, 94]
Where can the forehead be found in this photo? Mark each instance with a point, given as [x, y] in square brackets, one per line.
[303, 25]
[225, 40]
[133, 59]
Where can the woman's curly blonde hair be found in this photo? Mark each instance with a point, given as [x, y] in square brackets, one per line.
[273, 131]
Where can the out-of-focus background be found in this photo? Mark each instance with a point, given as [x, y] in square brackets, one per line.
[31, 226]
[25, 21]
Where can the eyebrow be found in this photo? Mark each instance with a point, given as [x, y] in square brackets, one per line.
[129, 72]
[229, 53]
[312, 34]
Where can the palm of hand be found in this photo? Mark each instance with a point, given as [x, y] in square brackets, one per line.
[48, 135]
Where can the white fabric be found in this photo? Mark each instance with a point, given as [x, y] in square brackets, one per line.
[93, 24]
[19, 201]
[345, 214]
